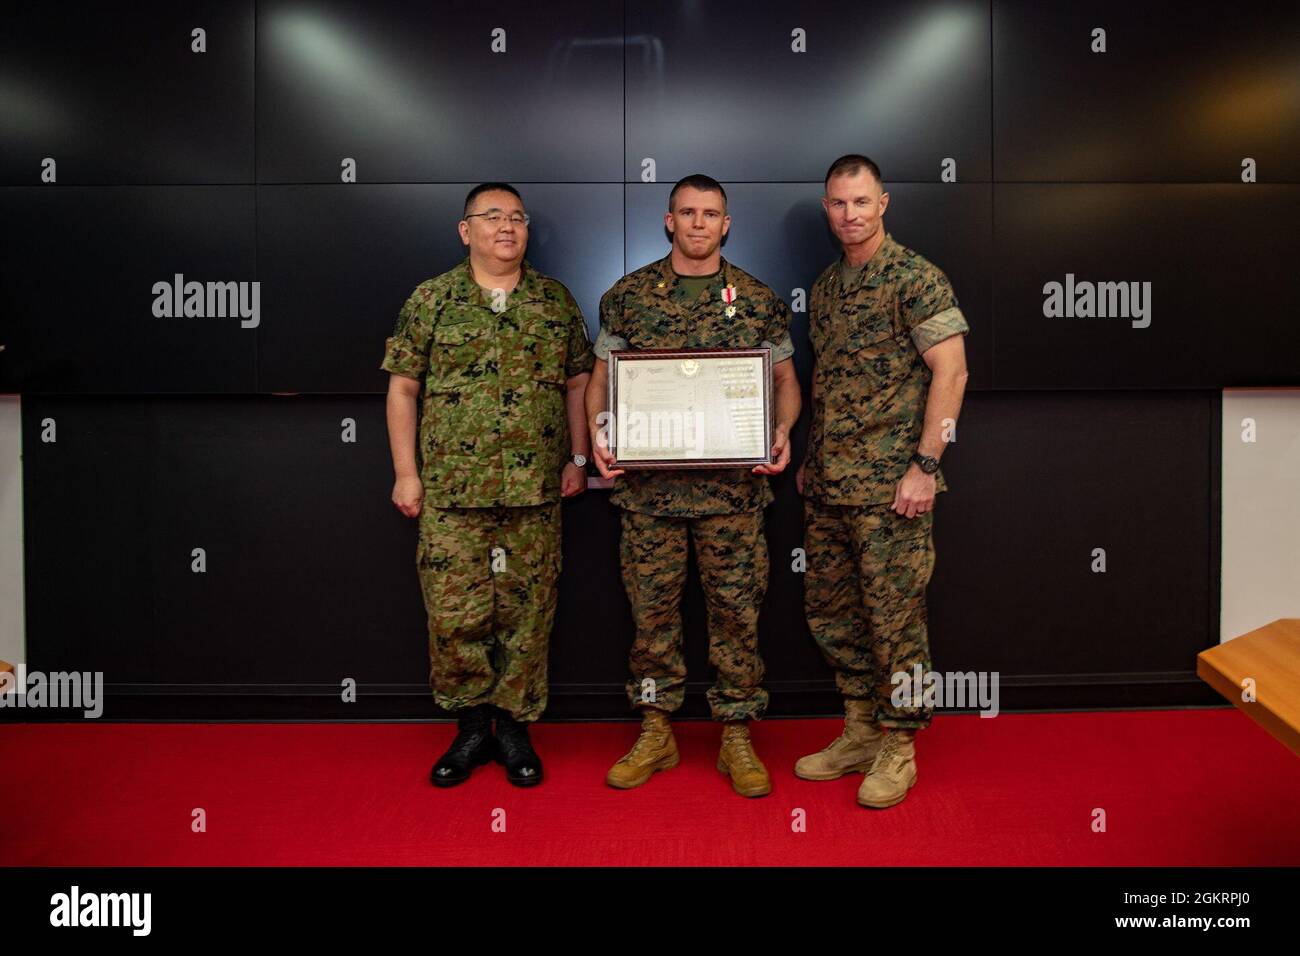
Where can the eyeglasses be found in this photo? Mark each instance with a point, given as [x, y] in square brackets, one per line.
[495, 217]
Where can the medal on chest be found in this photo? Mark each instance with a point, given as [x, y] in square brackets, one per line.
[729, 297]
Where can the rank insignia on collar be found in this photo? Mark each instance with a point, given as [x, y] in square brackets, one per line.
[729, 294]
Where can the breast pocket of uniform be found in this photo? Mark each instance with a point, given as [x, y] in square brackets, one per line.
[544, 345]
[461, 355]
[874, 345]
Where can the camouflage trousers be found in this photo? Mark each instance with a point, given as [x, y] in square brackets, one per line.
[864, 594]
[488, 576]
[731, 553]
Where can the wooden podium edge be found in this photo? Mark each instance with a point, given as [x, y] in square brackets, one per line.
[1257, 710]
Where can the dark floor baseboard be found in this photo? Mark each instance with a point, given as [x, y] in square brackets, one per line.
[601, 702]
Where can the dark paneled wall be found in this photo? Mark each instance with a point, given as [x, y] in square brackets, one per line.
[1015, 156]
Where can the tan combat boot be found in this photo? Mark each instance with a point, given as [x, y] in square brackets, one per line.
[654, 750]
[892, 773]
[850, 752]
[737, 759]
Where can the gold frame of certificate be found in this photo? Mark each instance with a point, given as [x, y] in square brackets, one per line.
[690, 408]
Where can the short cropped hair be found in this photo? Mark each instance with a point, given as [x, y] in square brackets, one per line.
[701, 182]
[852, 163]
[487, 188]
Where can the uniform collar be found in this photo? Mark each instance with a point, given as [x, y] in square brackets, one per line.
[465, 289]
[663, 279]
[870, 273]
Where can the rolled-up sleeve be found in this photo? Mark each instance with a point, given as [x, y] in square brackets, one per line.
[928, 307]
[606, 342]
[777, 332]
[938, 327]
[608, 338]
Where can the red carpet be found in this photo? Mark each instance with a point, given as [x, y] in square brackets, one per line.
[1178, 787]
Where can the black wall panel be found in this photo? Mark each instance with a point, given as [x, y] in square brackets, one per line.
[299, 534]
[310, 574]
[224, 166]
[1220, 260]
[717, 88]
[1039, 480]
[413, 92]
[1183, 92]
[80, 266]
[338, 262]
[116, 93]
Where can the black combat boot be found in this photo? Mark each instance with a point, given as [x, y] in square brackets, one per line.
[474, 745]
[515, 751]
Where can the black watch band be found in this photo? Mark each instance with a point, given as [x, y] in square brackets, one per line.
[926, 463]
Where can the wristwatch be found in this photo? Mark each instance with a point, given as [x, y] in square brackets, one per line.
[580, 461]
[926, 463]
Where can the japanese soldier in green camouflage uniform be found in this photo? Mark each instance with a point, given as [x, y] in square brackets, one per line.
[889, 374]
[502, 356]
[693, 298]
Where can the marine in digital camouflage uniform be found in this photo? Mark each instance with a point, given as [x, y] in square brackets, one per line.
[869, 564]
[720, 510]
[492, 443]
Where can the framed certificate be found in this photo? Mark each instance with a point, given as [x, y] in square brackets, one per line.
[690, 408]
